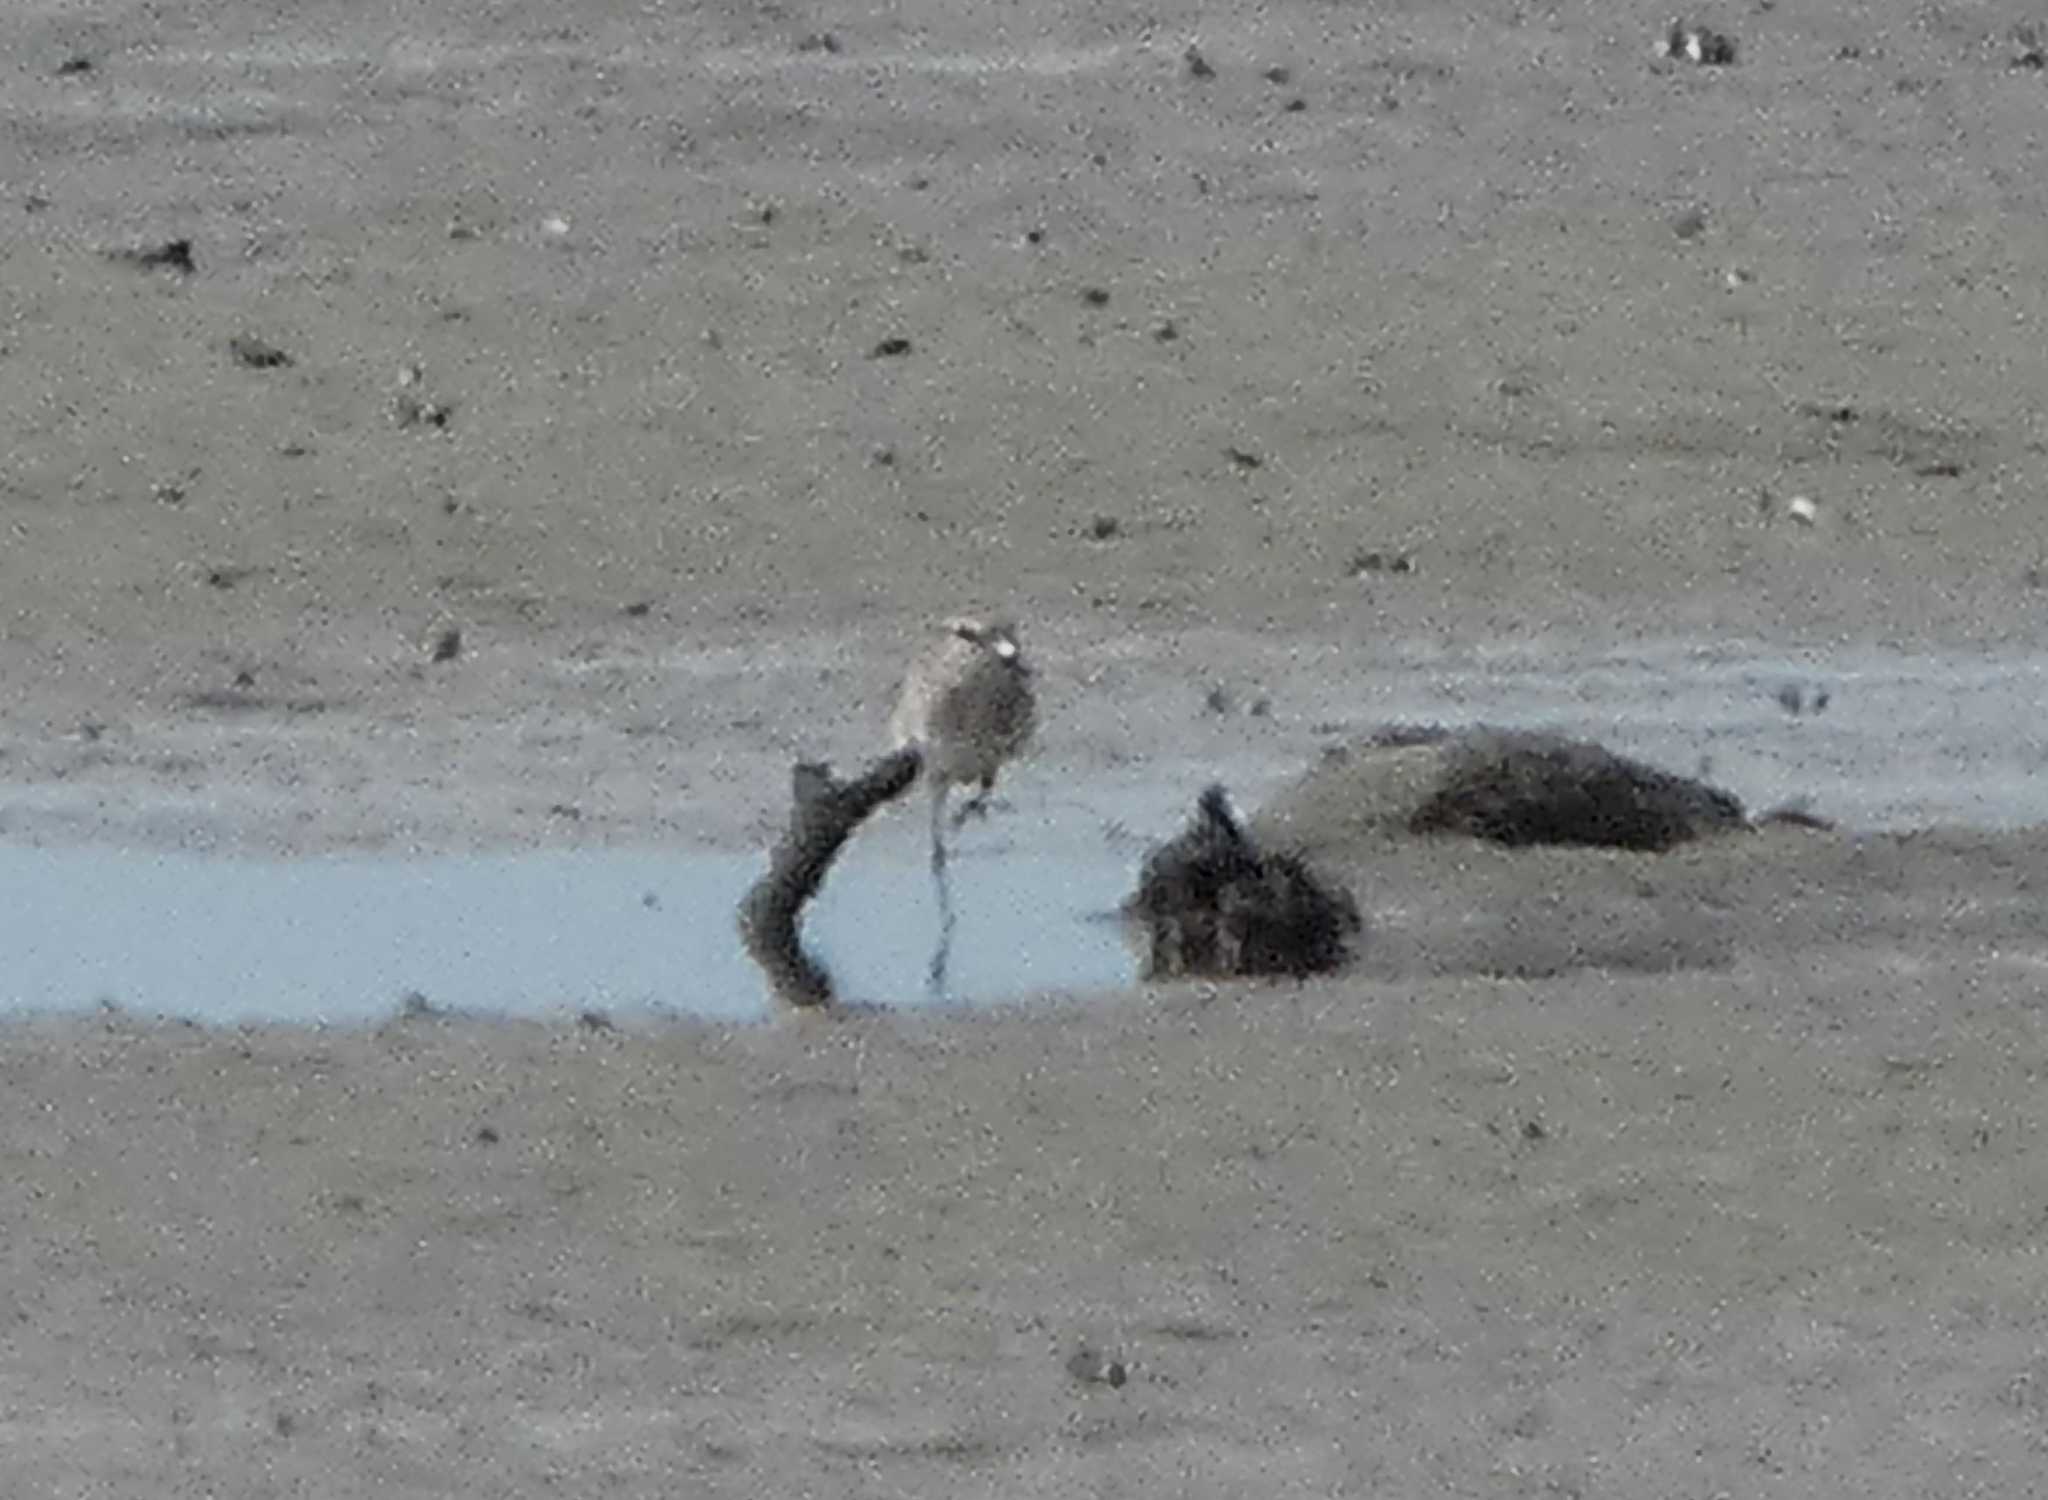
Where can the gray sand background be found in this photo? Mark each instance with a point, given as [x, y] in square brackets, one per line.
[1714, 1175]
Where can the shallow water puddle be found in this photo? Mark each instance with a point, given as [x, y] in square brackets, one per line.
[1875, 739]
[549, 933]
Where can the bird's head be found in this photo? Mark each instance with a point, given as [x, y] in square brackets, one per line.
[997, 637]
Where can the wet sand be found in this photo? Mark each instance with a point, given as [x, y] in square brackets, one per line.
[1768, 1231]
[1713, 1174]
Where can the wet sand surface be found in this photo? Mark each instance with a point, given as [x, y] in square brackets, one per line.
[1396, 363]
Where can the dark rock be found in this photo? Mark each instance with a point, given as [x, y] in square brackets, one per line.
[1520, 788]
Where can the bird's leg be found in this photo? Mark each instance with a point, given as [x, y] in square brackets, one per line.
[943, 953]
[977, 805]
[938, 791]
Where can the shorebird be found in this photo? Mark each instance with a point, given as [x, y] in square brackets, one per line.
[967, 704]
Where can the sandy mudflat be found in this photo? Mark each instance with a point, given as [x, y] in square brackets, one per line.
[1715, 1175]
[1768, 1231]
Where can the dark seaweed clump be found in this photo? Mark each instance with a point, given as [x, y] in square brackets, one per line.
[1213, 903]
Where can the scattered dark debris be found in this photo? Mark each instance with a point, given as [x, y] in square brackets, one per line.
[414, 1005]
[918, 183]
[765, 215]
[650, 900]
[171, 255]
[638, 609]
[568, 811]
[819, 41]
[892, 348]
[914, 255]
[411, 410]
[1277, 74]
[1696, 44]
[1095, 296]
[1219, 700]
[170, 493]
[1390, 737]
[883, 457]
[1105, 529]
[1198, 65]
[2034, 575]
[1794, 699]
[1295, 105]
[1532, 1130]
[1244, 458]
[35, 203]
[1034, 236]
[255, 354]
[595, 1020]
[284, 1424]
[74, 65]
[1522, 788]
[228, 575]
[1213, 903]
[486, 1135]
[245, 679]
[1166, 332]
[294, 449]
[1690, 224]
[1848, 52]
[1840, 413]
[446, 644]
[1097, 1368]
[1376, 561]
[238, 699]
[2031, 55]
[1946, 468]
